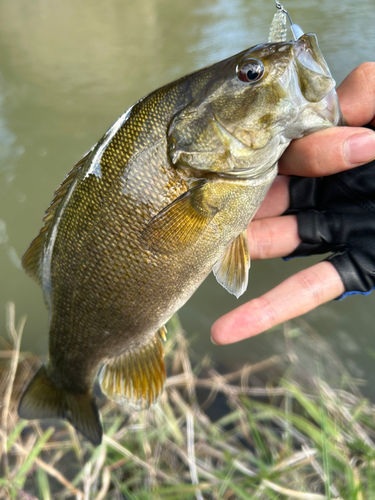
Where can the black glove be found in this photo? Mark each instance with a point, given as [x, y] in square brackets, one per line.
[337, 214]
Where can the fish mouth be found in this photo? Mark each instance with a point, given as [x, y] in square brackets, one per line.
[310, 87]
[306, 50]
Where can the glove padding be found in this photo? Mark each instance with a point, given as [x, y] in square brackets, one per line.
[337, 214]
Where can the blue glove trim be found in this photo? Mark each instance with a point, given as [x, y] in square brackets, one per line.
[285, 259]
[346, 294]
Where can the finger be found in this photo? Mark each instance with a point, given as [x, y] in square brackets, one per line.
[273, 237]
[357, 95]
[277, 199]
[295, 296]
[333, 150]
[328, 151]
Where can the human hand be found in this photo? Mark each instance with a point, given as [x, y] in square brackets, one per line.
[320, 154]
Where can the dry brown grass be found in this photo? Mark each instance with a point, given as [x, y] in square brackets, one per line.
[211, 436]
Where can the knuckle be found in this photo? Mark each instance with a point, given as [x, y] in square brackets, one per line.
[264, 239]
[364, 74]
[267, 317]
[313, 157]
[253, 240]
[310, 281]
[260, 238]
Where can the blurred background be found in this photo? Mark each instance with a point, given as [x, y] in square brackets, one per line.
[69, 68]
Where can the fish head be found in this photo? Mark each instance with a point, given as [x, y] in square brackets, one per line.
[242, 113]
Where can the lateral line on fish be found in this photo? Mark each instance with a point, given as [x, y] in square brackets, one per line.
[47, 257]
[108, 136]
[94, 169]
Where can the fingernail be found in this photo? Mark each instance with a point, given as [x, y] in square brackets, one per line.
[360, 148]
[212, 340]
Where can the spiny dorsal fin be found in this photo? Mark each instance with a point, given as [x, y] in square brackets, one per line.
[180, 223]
[137, 377]
[232, 269]
[33, 257]
[43, 399]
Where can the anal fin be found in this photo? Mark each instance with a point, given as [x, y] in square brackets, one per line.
[136, 378]
[232, 269]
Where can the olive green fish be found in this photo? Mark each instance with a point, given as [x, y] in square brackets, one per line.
[158, 203]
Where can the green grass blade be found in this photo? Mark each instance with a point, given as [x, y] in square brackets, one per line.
[43, 484]
[29, 461]
[16, 433]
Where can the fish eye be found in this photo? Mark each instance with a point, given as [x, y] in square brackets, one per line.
[251, 71]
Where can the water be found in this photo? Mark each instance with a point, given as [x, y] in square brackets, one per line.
[69, 68]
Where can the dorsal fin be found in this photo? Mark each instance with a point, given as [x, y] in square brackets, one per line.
[33, 257]
[136, 378]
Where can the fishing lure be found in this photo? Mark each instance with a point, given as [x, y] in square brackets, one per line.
[278, 27]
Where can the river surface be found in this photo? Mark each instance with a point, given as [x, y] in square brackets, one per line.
[69, 68]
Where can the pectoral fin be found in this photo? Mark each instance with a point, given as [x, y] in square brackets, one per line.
[181, 223]
[232, 269]
[137, 377]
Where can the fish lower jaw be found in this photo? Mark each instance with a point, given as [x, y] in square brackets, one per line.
[318, 118]
[311, 118]
[329, 109]
[259, 172]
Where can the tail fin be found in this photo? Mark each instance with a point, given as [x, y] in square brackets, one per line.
[43, 399]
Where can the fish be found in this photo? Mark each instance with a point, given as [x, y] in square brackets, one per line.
[163, 199]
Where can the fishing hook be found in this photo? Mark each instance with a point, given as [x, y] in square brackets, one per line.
[296, 30]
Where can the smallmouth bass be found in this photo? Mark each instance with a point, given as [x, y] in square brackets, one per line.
[160, 201]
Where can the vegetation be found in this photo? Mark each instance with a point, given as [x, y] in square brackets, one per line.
[211, 436]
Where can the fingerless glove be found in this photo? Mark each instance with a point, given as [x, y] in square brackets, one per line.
[337, 214]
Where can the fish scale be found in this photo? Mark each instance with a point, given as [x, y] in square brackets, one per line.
[158, 203]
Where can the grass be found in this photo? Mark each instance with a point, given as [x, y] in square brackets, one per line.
[211, 436]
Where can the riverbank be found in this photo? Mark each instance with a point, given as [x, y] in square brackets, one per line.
[211, 436]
